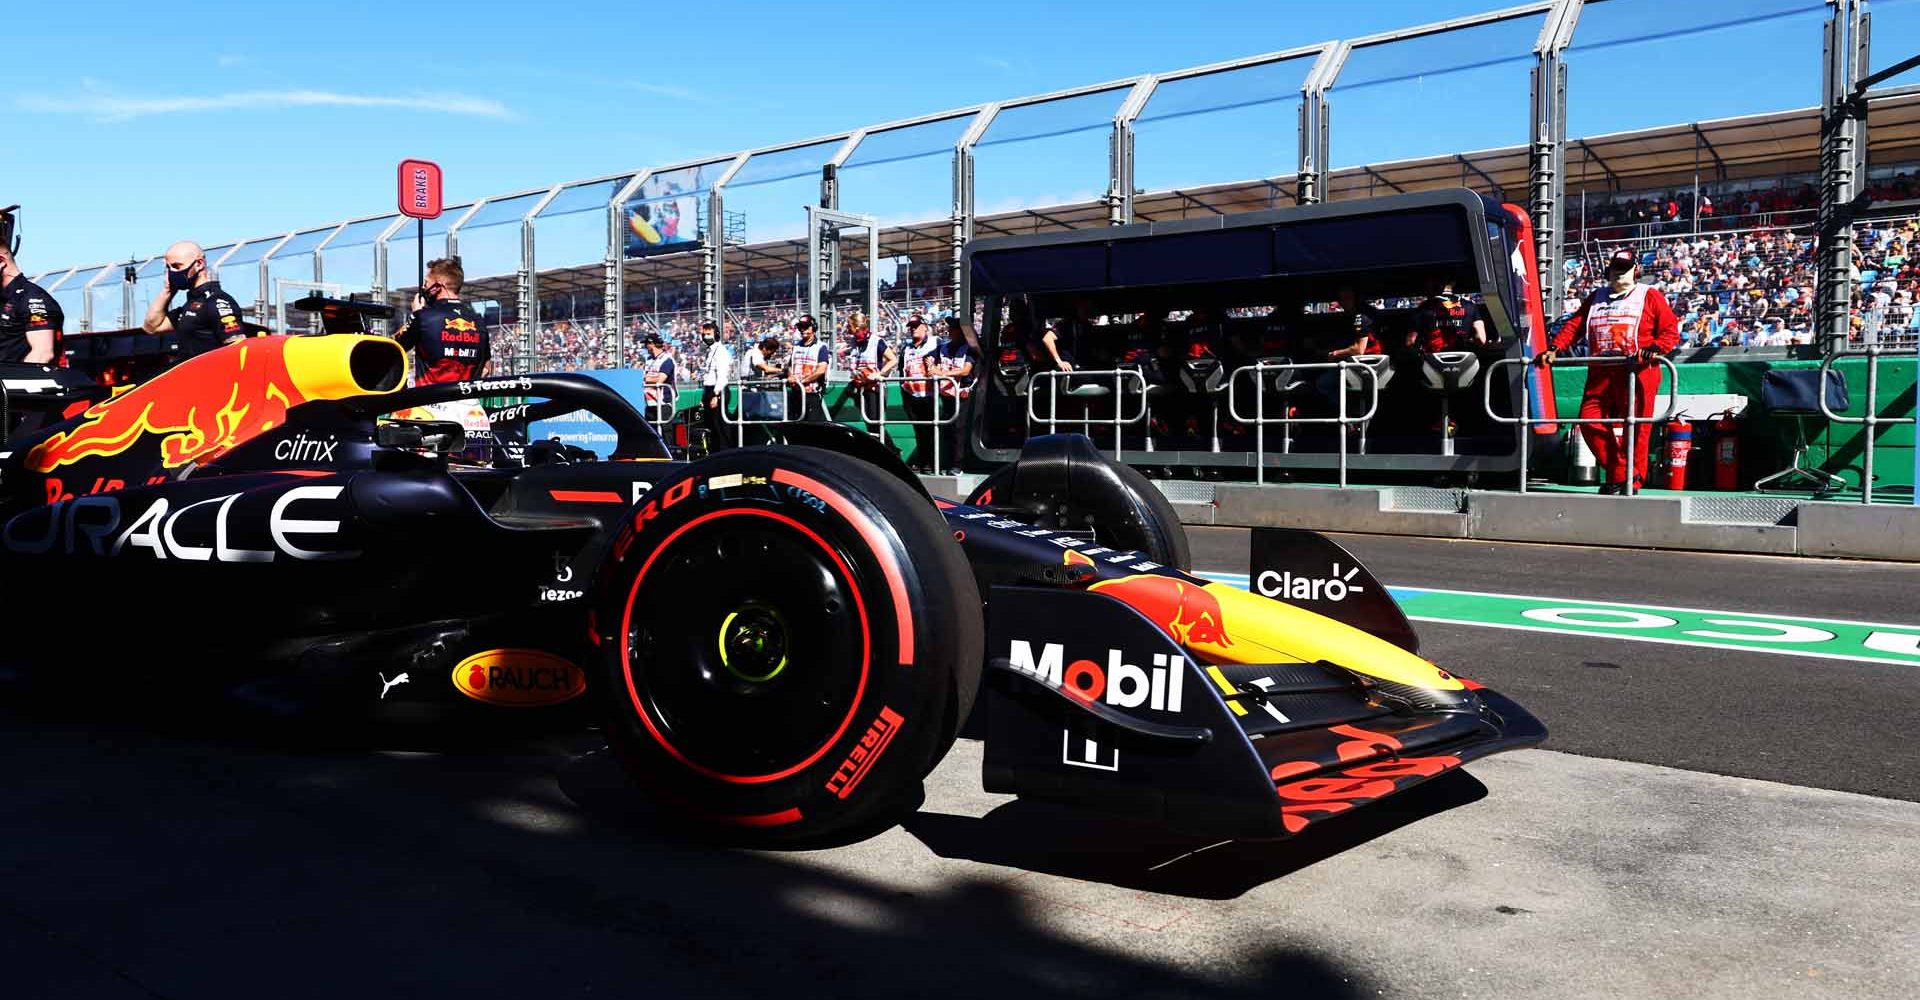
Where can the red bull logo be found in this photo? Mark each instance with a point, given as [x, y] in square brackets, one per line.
[1183, 608]
[208, 404]
[199, 410]
[462, 325]
[1073, 558]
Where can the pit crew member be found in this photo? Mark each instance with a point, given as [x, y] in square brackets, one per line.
[208, 319]
[1628, 320]
[444, 333]
[917, 362]
[30, 320]
[1366, 328]
[959, 360]
[660, 372]
[807, 373]
[1449, 322]
[713, 382]
[873, 359]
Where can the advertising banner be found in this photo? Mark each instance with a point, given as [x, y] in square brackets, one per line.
[584, 430]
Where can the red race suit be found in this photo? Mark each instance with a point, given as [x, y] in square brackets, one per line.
[1620, 326]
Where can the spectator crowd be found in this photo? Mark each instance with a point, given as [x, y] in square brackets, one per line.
[586, 344]
[1755, 288]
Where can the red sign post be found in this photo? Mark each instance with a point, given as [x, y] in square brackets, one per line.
[421, 187]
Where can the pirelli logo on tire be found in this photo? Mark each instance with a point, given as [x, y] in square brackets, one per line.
[873, 743]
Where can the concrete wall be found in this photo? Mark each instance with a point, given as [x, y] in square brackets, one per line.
[1833, 530]
[1813, 529]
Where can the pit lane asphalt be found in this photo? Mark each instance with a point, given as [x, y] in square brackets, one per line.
[145, 863]
[1822, 723]
[145, 855]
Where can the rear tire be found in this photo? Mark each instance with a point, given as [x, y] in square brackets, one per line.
[785, 639]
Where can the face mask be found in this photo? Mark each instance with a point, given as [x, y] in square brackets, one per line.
[707, 336]
[180, 281]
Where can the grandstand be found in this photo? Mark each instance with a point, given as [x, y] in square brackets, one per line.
[1725, 211]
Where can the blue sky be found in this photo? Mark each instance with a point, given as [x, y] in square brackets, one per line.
[130, 125]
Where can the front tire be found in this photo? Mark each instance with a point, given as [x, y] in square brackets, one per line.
[789, 637]
[1063, 482]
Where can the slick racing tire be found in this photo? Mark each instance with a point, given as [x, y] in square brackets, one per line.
[790, 639]
[1124, 510]
[1158, 533]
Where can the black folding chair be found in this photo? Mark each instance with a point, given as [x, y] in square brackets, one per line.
[1796, 393]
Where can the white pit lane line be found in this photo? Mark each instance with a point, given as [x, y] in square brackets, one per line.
[1884, 643]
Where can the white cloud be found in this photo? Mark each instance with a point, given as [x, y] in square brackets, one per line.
[996, 63]
[668, 90]
[230, 61]
[108, 107]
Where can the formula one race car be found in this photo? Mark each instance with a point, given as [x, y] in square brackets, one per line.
[780, 641]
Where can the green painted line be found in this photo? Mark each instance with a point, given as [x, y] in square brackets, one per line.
[1742, 631]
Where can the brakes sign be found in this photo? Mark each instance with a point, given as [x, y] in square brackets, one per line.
[420, 189]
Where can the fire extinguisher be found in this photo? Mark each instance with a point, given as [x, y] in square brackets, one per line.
[1679, 444]
[1726, 453]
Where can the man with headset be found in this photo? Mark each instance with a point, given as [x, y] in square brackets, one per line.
[30, 320]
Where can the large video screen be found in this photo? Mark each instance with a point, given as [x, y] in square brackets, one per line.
[665, 216]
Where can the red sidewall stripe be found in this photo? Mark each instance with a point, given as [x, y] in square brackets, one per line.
[586, 496]
[876, 543]
[626, 649]
[781, 818]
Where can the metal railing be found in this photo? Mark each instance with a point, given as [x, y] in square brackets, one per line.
[661, 411]
[1525, 420]
[1121, 377]
[1873, 421]
[879, 424]
[737, 414]
[1286, 420]
[1876, 331]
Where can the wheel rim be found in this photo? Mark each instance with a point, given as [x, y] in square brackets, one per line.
[753, 642]
[746, 645]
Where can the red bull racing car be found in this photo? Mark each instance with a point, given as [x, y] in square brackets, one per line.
[779, 642]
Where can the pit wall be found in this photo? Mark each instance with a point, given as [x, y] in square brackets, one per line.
[1766, 442]
[1710, 522]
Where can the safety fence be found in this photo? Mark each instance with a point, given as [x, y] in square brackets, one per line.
[660, 409]
[940, 391]
[1277, 376]
[1632, 421]
[1635, 224]
[1085, 389]
[1872, 419]
[754, 402]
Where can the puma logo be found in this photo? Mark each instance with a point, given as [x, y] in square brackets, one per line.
[388, 685]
